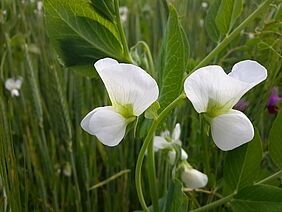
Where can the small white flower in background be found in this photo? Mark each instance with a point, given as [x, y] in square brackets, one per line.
[201, 22]
[192, 178]
[131, 91]
[165, 142]
[251, 35]
[39, 6]
[14, 85]
[172, 156]
[204, 4]
[123, 11]
[214, 93]
[67, 169]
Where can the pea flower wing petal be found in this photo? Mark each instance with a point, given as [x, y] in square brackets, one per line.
[106, 124]
[231, 130]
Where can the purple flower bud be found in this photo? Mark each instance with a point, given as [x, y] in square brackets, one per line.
[273, 99]
[241, 105]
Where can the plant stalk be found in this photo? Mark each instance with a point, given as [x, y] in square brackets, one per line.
[232, 35]
[121, 33]
[145, 145]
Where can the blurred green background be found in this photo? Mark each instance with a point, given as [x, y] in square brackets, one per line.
[48, 163]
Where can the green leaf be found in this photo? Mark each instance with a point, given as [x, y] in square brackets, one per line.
[105, 8]
[210, 25]
[242, 165]
[80, 34]
[176, 200]
[258, 198]
[275, 141]
[173, 60]
[228, 12]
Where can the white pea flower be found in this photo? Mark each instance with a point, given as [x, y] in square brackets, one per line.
[204, 4]
[39, 6]
[192, 178]
[251, 35]
[123, 11]
[166, 142]
[14, 85]
[214, 93]
[131, 91]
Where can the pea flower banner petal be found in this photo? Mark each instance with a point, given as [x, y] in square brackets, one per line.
[214, 93]
[131, 91]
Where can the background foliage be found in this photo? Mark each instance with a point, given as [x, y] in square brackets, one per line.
[47, 163]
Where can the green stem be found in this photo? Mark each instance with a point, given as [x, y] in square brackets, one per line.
[232, 35]
[152, 177]
[271, 177]
[145, 145]
[121, 33]
[150, 58]
[215, 203]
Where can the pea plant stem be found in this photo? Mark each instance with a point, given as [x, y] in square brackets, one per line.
[148, 139]
[121, 32]
[230, 37]
[215, 203]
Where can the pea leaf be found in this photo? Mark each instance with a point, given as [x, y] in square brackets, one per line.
[275, 141]
[80, 34]
[258, 198]
[228, 12]
[210, 25]
[105, 8]
[173, 60]
[242, 165]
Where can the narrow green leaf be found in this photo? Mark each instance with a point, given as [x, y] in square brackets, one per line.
[242, 165]
[275, 141]
[176, 200]
[258, 198]
[237, 9]
[173, 60]
[80, 34]
[210, 25]
[227, 14]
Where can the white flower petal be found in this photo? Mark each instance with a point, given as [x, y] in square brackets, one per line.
[193, 178]
[176, 132]
[160, 143]
[106, 124]
[104, 63]
[15, 92]
[172, 156]
[10, 84]
[231, 130]
[18, 83]
[128, 84]
[249, 71]
[165, 134]
[211, 87]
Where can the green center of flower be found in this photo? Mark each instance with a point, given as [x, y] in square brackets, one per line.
[214, 108]
[125, 110]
